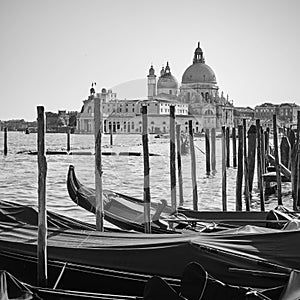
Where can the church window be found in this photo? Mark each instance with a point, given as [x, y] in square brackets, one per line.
[170, 92]
[132, 125]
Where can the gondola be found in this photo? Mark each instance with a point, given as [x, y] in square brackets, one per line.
[248, 256]
[127, 212]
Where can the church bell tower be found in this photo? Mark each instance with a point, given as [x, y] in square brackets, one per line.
[151, 83]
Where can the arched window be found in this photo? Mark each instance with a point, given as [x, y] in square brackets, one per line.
[208, 112]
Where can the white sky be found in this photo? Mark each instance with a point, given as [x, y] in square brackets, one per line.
[51, 51]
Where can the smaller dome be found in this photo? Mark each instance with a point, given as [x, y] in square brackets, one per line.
[167, 80]
[103, 91]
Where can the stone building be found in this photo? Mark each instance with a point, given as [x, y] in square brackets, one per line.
[196, 99]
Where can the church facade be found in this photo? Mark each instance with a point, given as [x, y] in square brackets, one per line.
[197, 99]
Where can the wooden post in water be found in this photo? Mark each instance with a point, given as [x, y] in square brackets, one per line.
[207, 151]
[234, 147]
[259, 167]
[246, 167]
[42, 274]
[251, 154]
[98, 165]
[68, 140]
[179, 171]
[285, 151]
[239, 175]
[294, 162]
[193, 166]
[172, 159]
[298, 179]
[224, 183]
[213, 149]
[263, 151]
[277, 165]
[227, 147]
[111, 136]
[147, 198]
[5, 141]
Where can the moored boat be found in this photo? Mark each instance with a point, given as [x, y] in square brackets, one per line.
[247, 256]
[127, 212]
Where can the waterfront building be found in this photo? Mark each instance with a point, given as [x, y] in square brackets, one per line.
[241, 113]
[197, 99]
[286, 114]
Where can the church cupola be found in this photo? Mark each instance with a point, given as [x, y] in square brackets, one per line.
[92, 90]
[151, 70]
[198, 56]
[167, 83]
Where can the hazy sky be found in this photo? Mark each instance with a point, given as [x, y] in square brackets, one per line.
[52, 50]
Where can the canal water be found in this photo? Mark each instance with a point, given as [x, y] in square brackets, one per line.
[123, 174]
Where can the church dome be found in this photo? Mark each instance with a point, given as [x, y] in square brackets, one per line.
[167, 80]
[199, 72]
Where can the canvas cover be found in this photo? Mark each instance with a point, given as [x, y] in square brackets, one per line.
[248, 248]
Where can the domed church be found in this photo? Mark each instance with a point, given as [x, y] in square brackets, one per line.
[198, 89]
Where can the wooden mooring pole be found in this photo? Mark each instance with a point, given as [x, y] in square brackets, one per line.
[239, 175]
[111, 136]
[193, 166]
[259, 167]
[277, 165]
[251, 154]
[98, 165]
[246, 166]
[213, 149]
[172, 159]
[224, 179]
[228, 147]
[147, 199]
[294, 164]
[179, 170]
[207, 151]
[42, 274]
[234, 147]
[5, 141]
[68, 140]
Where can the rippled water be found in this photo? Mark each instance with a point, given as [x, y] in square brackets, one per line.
[124, 174]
